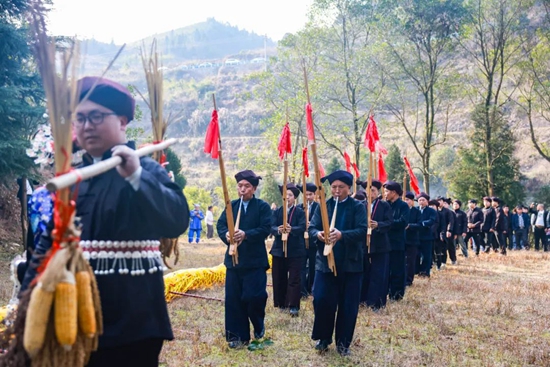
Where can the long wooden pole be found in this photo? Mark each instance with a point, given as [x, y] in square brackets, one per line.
[404, 185]
[369, 200]
[233, 250]
[306, 207]
[81, 174]
[284, 234]
[320, 190]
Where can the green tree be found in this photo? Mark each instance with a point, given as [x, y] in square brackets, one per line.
[21, 93]
[333, 165]
[543, 195]
[174, 165]
[270, 190]
[395, 167]
[468, 179]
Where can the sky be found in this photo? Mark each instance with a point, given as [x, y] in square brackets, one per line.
[125, 21]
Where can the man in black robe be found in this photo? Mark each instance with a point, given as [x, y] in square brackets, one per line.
[428, 217]
[246, 282]
[474, 217]
[287, 267]
[336, 298]
[499, 226]
[396, 235]
[487, 236]
[460, 227]
[411, 238]
[126, 209]
[308, 266]
[376, 261]
[447, 227]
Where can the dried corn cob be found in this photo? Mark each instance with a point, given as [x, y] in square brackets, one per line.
[38, 315]
[86, 310]
[65, 311]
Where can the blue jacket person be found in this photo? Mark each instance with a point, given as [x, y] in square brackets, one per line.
[246, 282]
[125, 210]
[336, 298]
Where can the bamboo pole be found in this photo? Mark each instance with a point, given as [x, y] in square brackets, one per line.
[369, 200]
[284, 234]
[233, 246]
[320, 190]
[81, 174]
[404, 185]
[306, 207]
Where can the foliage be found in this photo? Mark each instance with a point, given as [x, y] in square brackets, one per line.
[270, 190]
[395, 166]
[21, 93]
[174, 165]
[543, 195]
[469, 178]
[334, 165]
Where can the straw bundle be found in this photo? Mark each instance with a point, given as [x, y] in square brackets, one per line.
[153, 75]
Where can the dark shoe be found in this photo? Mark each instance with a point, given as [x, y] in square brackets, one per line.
[322, 345]
[260, 334]
[237, 344]
[344, 352]
[294, 312]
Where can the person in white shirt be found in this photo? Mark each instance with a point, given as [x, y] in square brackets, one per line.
[541, 224]
[209, 223]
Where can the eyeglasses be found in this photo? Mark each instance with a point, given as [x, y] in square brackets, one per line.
[95, 118]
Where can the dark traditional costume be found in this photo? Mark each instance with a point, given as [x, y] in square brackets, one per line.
[412, 240]
[246, 282]
[426, 237]
[287, 269]
[336, 298]
[122, 221]
[308, 266]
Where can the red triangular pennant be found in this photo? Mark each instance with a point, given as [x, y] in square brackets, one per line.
[211, 145]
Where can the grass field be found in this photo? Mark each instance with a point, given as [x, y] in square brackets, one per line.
[486, 311]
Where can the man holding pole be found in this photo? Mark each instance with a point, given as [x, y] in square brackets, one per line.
[310, 206]
[287, 267]
[336, 297]
[246, 281]
[124, 209]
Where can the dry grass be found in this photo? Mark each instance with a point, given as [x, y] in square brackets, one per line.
[486, 311]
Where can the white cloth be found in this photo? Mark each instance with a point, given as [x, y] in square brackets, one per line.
[209, 218]
[29, 188]
[540, 218]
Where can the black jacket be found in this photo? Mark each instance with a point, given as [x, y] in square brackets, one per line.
[396, 234]
[295, 244]
[474, 217]
[428, 218]
[488, 219]
[256, 224]
[446, 221]
[500, 225]
[351, 220]
[133, 307]
[382, 214]
[411, 234]
[460, 222]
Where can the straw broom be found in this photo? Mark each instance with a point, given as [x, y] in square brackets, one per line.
[154, 78]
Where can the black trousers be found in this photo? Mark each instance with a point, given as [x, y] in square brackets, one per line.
[540, 236]
[449, 247]
[209, 231]
[411, 253]
[477, 240]
[488, 241]
[286, 274]
[245, 299]
[336, 299]
[424, 257]
[397, 275]
[308, 270]
[144, 353]
[440, 248]
[499, 239]
[376, 273]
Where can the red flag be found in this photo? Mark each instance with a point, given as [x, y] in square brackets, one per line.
[382, 175]
[414, 180]
[309, 123]
[285, 145]
[305, 163]
[348, 162]
[357, 174]
[321, 170]
[371, 135]
[380, 148]
[211, 145]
